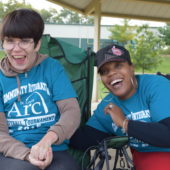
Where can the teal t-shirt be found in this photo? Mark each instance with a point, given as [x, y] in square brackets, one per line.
[150, 103]
[30, 118]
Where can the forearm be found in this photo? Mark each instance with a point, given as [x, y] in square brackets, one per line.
[156, 134]
[69, 119]
[87, 136]
[13, 148]
[8, 145]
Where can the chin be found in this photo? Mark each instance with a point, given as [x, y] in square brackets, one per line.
[119, 94]
[20, 68]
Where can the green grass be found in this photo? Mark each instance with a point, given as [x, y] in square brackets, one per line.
[164, 66]
[102, 90]
[2, 54]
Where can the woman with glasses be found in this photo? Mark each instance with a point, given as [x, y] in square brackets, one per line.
[39, 111]
[137, 106]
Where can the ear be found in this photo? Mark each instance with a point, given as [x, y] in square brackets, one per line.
[38, 46]
[132, 68]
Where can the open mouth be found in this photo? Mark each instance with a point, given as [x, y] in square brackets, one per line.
[116, 83]
[19, 59]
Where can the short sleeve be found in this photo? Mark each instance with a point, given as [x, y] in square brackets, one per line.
[61, 85]
[159, 99]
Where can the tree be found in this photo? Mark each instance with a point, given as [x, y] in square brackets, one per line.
[50, 16]
[69, 17]
[144, 46]
[165, 33]
[64, 16]
[145, 52]
[123, 33]
[10, 6]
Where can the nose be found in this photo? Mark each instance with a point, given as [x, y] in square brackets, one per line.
[16, 46]
[112, 72]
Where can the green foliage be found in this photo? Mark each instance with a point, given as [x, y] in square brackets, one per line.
[165, 33]
[163, 67]
[144, 46]
[47, 15]
[2, 54]
[64, 16]
[122, 33]
[166, 51]
[10, 6]
[68, 17]
[145, 52]
[102, 90]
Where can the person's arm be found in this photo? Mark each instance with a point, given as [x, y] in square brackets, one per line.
[63, 129]
[156, 133]
[86, 137]
[8, 145]
[69, 120]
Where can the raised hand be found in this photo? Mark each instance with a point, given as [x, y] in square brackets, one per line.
[116, 114]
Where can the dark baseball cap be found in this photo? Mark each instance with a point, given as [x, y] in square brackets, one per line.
[110, 53]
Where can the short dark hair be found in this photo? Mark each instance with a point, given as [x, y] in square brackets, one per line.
[23, 23]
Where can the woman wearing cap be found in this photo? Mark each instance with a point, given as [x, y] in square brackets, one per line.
[37, 100]
[137, 106]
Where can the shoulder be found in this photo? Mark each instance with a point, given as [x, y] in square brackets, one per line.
[51, 63]
[50, 60]
[152, 83]
[147, 79]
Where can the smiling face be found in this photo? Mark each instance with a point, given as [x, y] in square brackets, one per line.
[21, 52]
[21, 32]
[118, 77]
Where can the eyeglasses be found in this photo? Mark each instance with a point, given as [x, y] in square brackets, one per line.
[9, 44]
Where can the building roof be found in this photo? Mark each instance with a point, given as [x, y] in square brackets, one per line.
[153, 10]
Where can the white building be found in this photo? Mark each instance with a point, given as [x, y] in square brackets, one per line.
[80, 35]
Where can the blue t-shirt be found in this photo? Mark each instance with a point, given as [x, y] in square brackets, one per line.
[30, 118]
[150, 103]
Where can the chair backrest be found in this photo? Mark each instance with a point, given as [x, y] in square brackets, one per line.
[79, 65]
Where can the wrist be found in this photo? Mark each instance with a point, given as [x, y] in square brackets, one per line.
[51, 137]
[125, 125]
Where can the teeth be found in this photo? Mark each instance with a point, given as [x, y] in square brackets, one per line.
[18, 56]
[116, 81]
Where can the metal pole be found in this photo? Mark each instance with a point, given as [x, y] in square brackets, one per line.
[96, 45]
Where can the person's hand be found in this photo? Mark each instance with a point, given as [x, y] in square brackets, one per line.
[42, 164]
[39, 150]
[116, 114]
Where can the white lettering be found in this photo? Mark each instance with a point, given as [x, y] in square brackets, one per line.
[140, 115]
[32, 120]
[14, 111]
[25, 89]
